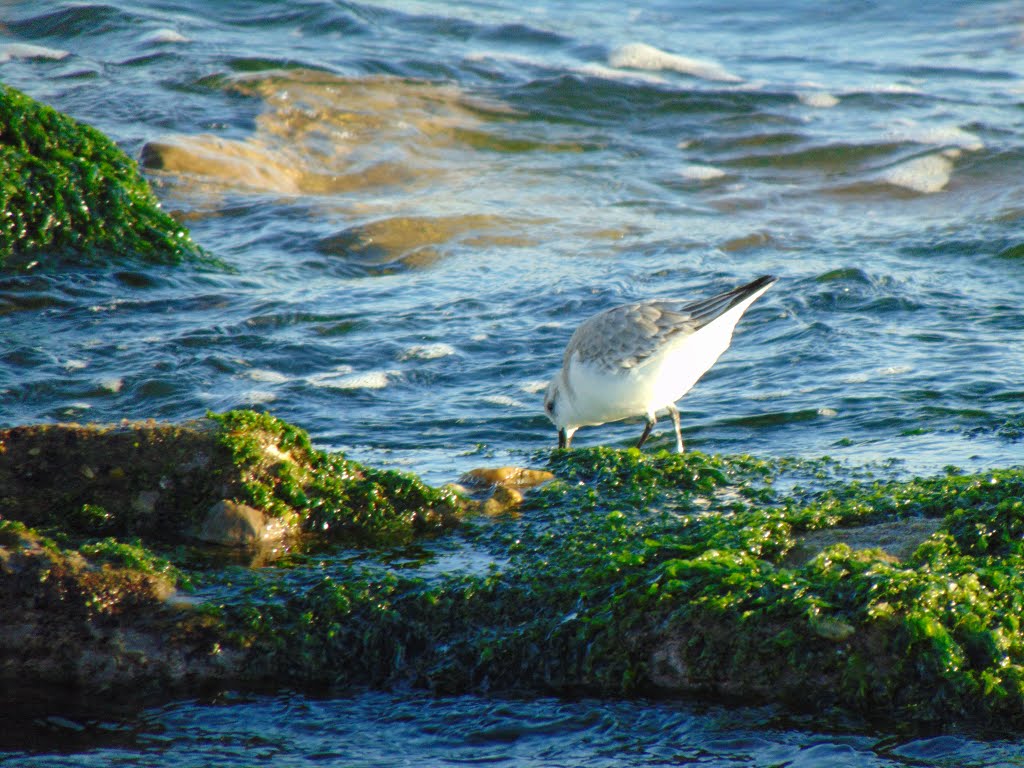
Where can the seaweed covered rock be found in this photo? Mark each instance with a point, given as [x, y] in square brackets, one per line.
[67, 191]
[89, 516]
[98, 619]
[234, 478]
[799, 582]
[669, 574]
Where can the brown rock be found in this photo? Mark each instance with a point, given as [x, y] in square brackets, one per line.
[896, 538]
[231, 524]
[504, 500]
[509, 477]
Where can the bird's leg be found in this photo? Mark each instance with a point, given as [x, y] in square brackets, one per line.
[565, 438]
[647, 431]
[674, 413]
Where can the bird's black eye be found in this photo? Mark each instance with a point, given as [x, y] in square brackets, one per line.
[550, 406]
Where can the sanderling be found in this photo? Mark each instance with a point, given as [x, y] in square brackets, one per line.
[638, 359]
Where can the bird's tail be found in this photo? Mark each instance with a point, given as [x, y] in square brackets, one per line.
[707, 310]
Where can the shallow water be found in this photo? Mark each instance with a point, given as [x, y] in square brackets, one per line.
[412, 728]
[414, 204]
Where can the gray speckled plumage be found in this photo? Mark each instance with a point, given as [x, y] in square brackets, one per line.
[626, 337]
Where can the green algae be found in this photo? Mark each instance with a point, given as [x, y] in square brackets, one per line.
[68, 192]
[635, 574]
[134, 556]
[327, 493]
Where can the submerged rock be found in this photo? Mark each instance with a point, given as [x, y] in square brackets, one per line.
[68, 191]
[508, 477]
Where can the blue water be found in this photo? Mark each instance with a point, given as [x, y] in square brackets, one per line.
[414, 203]
[414, 729]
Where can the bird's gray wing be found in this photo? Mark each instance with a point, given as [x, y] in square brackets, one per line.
[627, 336]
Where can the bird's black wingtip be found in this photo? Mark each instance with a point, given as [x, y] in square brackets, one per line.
[761, 282]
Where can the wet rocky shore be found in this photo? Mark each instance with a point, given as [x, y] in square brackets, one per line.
[152, 558]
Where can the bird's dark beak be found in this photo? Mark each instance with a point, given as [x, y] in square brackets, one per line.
[562, 441]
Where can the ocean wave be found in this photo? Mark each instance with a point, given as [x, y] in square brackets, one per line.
[942, 135]
[9, 51]
[343, 377]
[697, 172]
[159, 36]
[427, 352]
[643, 56]
[818, 99]
[926, 174]
[267, 376]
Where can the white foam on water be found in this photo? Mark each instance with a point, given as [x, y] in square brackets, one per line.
[267, 376]
[892, 370]
[258, 397]
[826, 411]
[534, 387]
[643, 56]
[28, 51]
[927, 174]
[75, 365]
[427, 352]
[589, 69]
[895, 370]
[112, 384]
[698, 172]
[607, 73]
[511, 58]
[942, 135]
[165, 36]
[343, 377]
[504, 400]
[818, 99]
[894, 88]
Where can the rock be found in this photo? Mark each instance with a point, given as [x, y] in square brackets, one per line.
[896, 538]
[510, 477]
[116, 629]
[504, 500]
[160, 481]
[231, 524]
[245, 164]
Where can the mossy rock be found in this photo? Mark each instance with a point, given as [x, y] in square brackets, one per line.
[160, 481]
[325, 493]
[91, 517]
[796, 582]
[69, 193]
[660, 574]
[99, 620]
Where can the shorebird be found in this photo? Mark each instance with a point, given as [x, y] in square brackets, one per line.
[640, 358]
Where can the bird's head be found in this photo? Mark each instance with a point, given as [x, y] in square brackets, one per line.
[557, 409]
